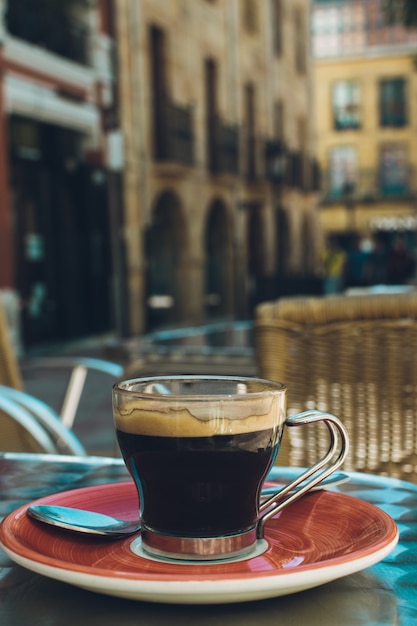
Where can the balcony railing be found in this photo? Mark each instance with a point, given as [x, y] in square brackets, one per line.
[252, 169]
[276, 155]
[370, 185]
[174, 137]
[49, 26]
[291, 169]
[224, 148]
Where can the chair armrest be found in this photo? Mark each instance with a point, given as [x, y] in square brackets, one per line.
[79, 367]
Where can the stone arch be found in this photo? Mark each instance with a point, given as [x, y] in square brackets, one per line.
[166, 246]
[218, 243]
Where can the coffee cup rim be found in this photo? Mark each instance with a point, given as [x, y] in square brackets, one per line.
[126, 387]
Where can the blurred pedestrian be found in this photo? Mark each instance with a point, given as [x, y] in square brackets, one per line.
[400, 262]
[357, 256]
[376, 266]
[334, 264]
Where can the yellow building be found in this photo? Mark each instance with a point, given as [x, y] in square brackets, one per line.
[366, 119]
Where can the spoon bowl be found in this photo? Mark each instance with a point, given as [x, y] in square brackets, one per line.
[81, 521]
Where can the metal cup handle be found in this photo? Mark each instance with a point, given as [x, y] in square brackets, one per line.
[339, 439]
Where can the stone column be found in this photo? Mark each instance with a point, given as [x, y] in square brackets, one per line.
[192, 296]
[128, 28]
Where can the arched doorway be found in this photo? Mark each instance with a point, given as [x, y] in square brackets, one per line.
[285, 282]
[165, 248]
[218, 274]
[255, 256]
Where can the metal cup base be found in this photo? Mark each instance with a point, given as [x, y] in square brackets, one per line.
[198, 548]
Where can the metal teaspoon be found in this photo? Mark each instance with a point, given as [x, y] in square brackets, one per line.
[92, 523]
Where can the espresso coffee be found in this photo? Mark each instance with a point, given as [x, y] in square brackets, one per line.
[198, 450]
[199, 486]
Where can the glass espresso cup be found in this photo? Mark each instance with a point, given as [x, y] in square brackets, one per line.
[199, 449]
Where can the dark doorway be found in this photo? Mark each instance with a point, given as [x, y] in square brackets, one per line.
[257, 287]
[61, 234]
[218, 265]
[164, 251]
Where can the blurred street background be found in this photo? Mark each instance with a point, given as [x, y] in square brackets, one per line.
[167, 165]
[224, 349]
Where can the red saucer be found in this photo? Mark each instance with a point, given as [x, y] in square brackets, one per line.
[319, 538]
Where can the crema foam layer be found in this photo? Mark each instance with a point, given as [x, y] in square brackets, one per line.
[199, 420]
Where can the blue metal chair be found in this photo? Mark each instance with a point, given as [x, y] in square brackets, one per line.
[24, 408]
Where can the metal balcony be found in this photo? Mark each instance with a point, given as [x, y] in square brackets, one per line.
[370, 185]
[174, 137]
[276, 155]
[291, 169]
[223, 148]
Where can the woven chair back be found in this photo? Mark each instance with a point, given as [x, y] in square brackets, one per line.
[9, 368]
[355, 357]
[12, 436]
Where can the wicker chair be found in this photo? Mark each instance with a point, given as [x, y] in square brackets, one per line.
[29, 425]
[18, 410]
[353, 356]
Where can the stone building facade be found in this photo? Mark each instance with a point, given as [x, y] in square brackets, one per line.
[157, 161]
[219, 176]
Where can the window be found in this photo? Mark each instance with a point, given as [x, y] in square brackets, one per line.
[342, 171]
[300, 42]
[157, 45]
[393, 170]
[276, 21]
[210, 72]
[345, 102]
[278, 120]
[25, 139]
[250, 117]
[250, 16]
[302, 131]
[326, 28]
[392, 102]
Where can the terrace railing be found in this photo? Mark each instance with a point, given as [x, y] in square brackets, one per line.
[49, 25]
[174, 139]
